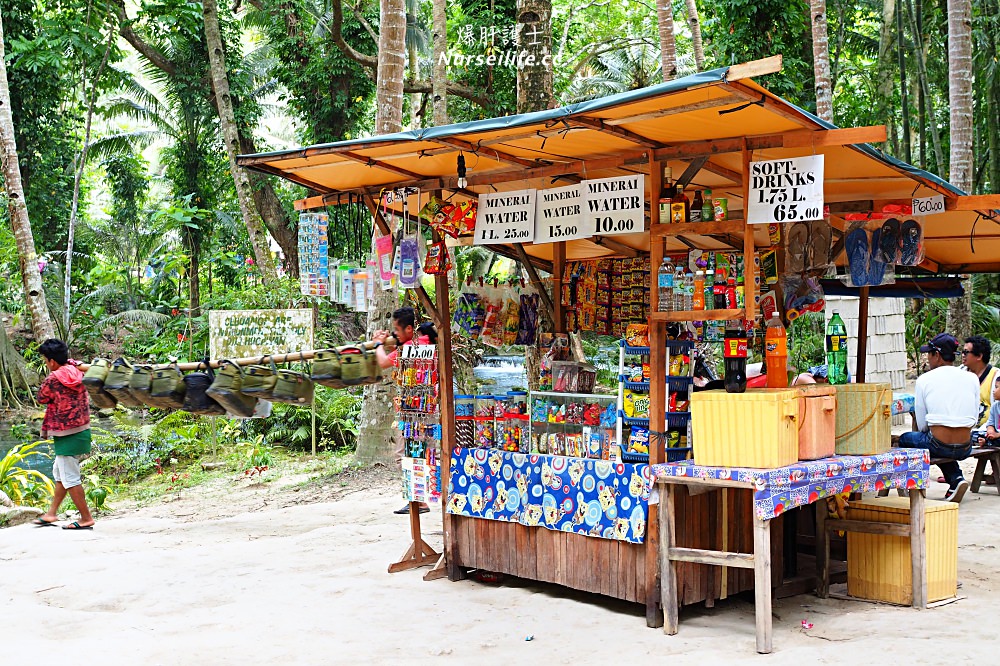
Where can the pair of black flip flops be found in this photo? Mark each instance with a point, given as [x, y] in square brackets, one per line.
[898, 242]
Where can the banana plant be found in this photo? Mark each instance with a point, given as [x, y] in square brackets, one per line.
[20, 483]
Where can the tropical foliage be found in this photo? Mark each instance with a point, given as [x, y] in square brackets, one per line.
[19, 482]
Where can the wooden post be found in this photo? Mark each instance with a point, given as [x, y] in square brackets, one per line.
[822, 552]
[918, 547]
[558, 265]
[762, 583]
[669, 598]
[862, 336]
[657, 404]
[446, 400]
[749, 246]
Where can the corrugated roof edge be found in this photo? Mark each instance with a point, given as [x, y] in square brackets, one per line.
[519, 120]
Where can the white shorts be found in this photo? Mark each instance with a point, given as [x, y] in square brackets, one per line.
[66, 470]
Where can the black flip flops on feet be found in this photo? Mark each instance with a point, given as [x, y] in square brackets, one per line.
[38, 522]
[77, 526]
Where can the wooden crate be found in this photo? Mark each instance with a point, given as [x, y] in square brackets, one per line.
[864, 419]
[878, 566]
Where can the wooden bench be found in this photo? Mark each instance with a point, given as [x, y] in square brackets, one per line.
[983, 455]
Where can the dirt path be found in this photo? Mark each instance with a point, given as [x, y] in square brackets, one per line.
[229, 574]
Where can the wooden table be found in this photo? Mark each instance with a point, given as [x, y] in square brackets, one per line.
[760, 559]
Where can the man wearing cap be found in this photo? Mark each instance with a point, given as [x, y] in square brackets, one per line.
[947, 408]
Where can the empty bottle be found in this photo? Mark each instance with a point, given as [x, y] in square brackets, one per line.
[665, 280]
[698, 297]
[735, 353]
[836, 350]
[679, 289]
[776, 353]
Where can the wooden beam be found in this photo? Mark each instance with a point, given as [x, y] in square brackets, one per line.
[295, 178]
[771, 104]
[713, 557]
[867, 527]
[614, 130]
[616, 246]
[543, 294]
[371, 162]
[692, 170]
[672, 111]
[657, 423]
[698, 228]
[748, 70]
[384, 229]
[558, 266]
[734, 176]
[500, 155]
[977, 202]
[862, 336]
[749, 245]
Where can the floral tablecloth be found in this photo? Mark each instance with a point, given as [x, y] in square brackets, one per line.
[778, 490]
[903, 403]
[593, 497]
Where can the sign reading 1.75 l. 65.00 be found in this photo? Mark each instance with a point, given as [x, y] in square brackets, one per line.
[614, 205]
[505, 217]
[789, 190]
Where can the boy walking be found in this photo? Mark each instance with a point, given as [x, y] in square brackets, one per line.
[67, 422]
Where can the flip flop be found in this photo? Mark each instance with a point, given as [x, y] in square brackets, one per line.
[820, 239]
[912, 236]
[856, 245]
[876, 267]
[797, 248]
[889, 242]
[75, 525]
[38, 522]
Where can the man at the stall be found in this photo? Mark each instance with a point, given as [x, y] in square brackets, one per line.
[946, 409]
[976, 359]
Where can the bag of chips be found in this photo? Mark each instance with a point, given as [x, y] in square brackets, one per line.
[638, 440]
[635, 404]
[437, 261]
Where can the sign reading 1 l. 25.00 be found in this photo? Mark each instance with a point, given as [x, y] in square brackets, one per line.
[505, 217]
[789, 190]
[614, 205]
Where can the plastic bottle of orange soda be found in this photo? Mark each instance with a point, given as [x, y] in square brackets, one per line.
[776, 353]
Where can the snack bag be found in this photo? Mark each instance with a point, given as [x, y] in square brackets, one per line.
[437, 261]
[635, 405]
[638, 441]
[637, 335]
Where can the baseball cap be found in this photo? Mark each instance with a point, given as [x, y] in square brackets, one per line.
[942, 343]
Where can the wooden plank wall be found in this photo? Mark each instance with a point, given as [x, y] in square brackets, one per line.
[613, 568]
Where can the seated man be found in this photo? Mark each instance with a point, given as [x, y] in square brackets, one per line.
[976, 359]
[992, 434]
[947, 408]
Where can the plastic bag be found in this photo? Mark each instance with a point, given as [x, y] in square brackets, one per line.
[803, 293]
[437, 260]
[511, 320]
[865, 253]
[527, 330]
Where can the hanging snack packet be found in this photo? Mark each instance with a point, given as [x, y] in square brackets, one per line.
[511, 321]
[638, 441]
[438, 261]
[528, 320]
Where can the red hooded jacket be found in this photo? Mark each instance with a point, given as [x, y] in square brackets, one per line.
[68, 404]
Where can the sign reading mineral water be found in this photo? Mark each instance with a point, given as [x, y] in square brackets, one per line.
[559, 215]
[505, 217]
[614, 206]
[788, 190]
[249, 333]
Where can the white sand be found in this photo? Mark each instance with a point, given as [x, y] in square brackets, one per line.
[279, 580]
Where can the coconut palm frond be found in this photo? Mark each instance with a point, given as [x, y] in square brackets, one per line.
[126, 143]
[140, 317]
[158, 117]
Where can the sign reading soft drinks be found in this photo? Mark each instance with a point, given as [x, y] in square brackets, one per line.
[559, 215]
[505, 217]
[789, 190]
[613, 206]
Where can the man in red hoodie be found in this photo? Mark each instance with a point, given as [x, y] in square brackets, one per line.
[67, 422]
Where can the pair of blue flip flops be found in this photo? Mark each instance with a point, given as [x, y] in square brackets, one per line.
[893, 243]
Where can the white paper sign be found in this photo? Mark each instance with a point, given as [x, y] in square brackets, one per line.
[789, 190]
[505, 217]
[426, 352]
[559, 215]
[929, 205]
[249, 333]
[614, 206]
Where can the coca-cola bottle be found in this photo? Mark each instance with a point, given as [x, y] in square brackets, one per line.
[735, 351]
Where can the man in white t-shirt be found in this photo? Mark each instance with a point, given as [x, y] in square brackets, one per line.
[947, 409]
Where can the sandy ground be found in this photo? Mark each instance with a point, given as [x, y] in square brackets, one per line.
[234, 574]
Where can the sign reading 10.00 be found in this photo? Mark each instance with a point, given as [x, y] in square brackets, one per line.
[614, 206]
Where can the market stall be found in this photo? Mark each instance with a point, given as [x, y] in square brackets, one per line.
[577, 193]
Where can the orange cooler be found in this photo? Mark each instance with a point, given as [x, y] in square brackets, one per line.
[758, 428]
[817, 421]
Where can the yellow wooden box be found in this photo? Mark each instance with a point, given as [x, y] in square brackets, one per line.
[758, 428]
[879, 566]
[864, 419]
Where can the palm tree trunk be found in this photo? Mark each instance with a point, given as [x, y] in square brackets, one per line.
[376, 436]
[694, 23]
[904, 100]
[534, 32]
[960, 100]
[821, 60]
[416, 122]
[194, 285]
[884, 75]
[439, 72]
[259, 239]
[281, 227]
[668, 45]
[34, 293]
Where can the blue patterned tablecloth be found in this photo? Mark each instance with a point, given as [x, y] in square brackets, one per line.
[778, 490]
[593, 497]
[903, 403]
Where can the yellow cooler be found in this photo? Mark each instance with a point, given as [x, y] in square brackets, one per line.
[758, 428]
[864, 419]
[878, 566]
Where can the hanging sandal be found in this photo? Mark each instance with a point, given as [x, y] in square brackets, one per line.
[856, 245]
[876, 267]
[911, 237]
[889, 242]
[797, 246]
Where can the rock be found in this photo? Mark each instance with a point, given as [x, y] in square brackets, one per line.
[18, 515]
[208, 466]
[4, 500]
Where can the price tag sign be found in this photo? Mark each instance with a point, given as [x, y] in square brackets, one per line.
[614, 206]
[559, 215]
[929, 205]
[418, 351]
[789, 190]
[505, 217]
